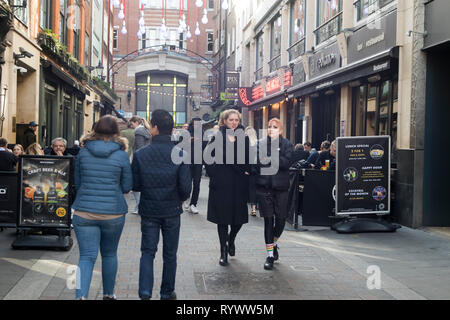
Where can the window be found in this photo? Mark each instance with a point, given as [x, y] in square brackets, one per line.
[259, 56]
[76, 43]
[181, 41]
[298, 11]
[210, 4]
[171, 4]
[327, 9]
[365, 8]
[275, 38]
[45, 14]
[116, 38]
[21, 13]
[62, 22]
[210, 41]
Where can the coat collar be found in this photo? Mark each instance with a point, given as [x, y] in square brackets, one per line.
[162, 139]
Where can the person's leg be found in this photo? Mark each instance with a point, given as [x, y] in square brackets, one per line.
[149, 245]
[196, 171]
[137, 198]
[88, 238]
[223, 238]
[269, 235]
[111, 230]
[171, 236]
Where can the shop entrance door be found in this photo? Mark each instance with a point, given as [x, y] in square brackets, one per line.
[325, 118]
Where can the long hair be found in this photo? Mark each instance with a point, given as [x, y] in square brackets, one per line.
[141, 121]
[106, 129]
[226, 114]
[34, 149]
[252, 136]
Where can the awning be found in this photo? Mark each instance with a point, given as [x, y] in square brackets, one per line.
[273, 98]
[364, 68]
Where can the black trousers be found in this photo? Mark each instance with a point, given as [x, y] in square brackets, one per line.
[196, 173]
[223, 233]
[273, 228]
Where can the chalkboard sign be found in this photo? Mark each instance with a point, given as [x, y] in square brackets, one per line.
[8, 199]
[363, 175]
[45, 197]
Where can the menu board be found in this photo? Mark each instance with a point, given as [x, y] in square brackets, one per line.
[45, 191]
[8, 199]
[363, 175]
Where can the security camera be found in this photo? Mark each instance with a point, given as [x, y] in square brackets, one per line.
[20, 69]
[25, 52]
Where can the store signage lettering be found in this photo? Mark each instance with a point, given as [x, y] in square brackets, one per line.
[380, 67]
[257, 92]
[287, 79]
[324, 85]
[243, 97]
[273, 85]
[370, 42]
[327, 60]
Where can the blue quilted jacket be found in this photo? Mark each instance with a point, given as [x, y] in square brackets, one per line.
[102, 176]
[162, 183]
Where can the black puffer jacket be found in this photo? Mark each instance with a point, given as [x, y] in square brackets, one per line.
[280, 180]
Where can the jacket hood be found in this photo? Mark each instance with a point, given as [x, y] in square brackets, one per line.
[102, 149]
[143, 132]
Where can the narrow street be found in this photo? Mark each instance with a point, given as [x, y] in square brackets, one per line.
[316, 264]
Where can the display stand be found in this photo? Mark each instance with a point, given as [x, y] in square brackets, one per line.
[364, 225]
[25, 241]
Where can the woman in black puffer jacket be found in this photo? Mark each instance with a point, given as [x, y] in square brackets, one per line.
[272, 188]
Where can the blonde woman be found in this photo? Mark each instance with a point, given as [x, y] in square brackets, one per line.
[228, 186]
[272, 190]
[34, 149]
[18, 150]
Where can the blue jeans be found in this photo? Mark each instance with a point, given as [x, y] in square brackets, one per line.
[150, 228]
[93, 235]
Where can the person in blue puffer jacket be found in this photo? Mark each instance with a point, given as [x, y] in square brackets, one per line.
[102, 177]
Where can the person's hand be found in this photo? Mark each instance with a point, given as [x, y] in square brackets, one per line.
[9, 150]
[59, 153]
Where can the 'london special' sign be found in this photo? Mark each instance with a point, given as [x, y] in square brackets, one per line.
[363, 175]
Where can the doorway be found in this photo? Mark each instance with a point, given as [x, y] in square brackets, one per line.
[325, 117]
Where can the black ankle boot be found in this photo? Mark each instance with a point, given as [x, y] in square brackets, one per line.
[269, 263]
[223, 256]
[231, 249]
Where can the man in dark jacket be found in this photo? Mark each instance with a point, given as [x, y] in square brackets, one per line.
[58, 148]
[329, 155]
[8, 160]
[164, 186]
[30, 135]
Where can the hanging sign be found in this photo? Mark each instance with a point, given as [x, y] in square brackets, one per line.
[363, 175]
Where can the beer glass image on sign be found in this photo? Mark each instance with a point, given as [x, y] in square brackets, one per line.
[350, 174]
[377, 152]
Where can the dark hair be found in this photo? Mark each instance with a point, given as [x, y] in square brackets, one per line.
[308, 144]
[107, 126]
[325, 145]
[191, 125]
[3, 142]
[163, 120]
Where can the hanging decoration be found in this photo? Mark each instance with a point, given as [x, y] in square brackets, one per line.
[121, 14]
[163, 29]
[188, 33]
[205, 15]
[225, 5]
[199, 3]
[197, 29]
[116, 3]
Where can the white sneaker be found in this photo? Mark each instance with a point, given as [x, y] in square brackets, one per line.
[193, 209]
[186, 205]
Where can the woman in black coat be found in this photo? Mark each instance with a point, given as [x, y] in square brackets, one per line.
[228, 184]
[272, 189]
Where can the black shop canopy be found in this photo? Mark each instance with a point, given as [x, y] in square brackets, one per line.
[360, 69]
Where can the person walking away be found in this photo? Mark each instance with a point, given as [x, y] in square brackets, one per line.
[129, 134]
[8, 160]
[253, 140]
[30, 135]
[272, 190]
[164, 186]
[102, 177]
[196, 168]
[142, 138]
[228, 185]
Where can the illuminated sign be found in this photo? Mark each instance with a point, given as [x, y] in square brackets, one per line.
[244, 93]
[257, 93]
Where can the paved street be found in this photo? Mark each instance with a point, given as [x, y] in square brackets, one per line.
[316, 264]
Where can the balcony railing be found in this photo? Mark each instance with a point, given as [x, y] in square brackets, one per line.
[259, 74]
[297, 49]
[330, 28]
[365, 8]
[275, 63]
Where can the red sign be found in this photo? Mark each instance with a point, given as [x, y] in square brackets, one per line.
[257, 93]
[287, 79]
[273, 84]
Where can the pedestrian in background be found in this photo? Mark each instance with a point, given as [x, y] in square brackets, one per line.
[164, 186]
[58, 148]
[129, 134]
[8, 160]
[142, 138]
[228, 186]
[272, 190]
[102, 177]
[30, 135]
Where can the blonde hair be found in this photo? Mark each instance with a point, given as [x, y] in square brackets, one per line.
[141, 121]
[226, 114]
[278, 122]
[34, 149]
[20, 146]
[251, 133]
